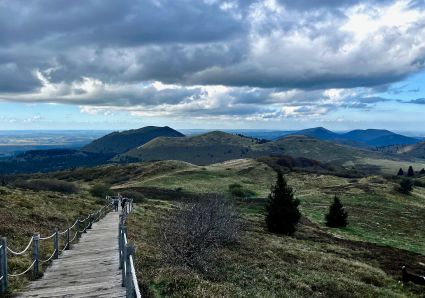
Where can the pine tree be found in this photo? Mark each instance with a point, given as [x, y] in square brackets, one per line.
[406, 186]
[337, 216]
[410, 172]
[400, 172]
[422, 171]
[282, 209]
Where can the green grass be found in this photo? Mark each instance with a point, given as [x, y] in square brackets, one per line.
[377, 213]
[24, 213]
[262, 265]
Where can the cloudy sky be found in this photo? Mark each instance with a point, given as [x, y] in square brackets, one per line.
[280, 64]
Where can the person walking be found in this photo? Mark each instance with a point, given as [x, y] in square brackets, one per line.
[123, 203]
[115, 201]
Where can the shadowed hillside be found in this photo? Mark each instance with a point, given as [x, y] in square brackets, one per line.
[219, 146]
[120, 142]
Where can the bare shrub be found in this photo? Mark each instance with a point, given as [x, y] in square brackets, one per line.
[192, 234]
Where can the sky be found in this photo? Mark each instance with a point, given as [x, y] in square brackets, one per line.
[254, 64]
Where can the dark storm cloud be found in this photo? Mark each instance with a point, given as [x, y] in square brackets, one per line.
[104, 52]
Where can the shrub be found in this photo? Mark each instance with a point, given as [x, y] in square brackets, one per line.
[410, 172]
[400, 172]
[282, 209]
[237, 190]
[133, 194]
[406, 186]
[337, 216]
[422, 172]
[192, 234]
[101, 190]
[419, 183]
[47, 185]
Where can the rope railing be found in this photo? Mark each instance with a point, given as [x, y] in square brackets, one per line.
[50, 258]
[126, 253]
[35, 244]
[26, 271]
[21, 252]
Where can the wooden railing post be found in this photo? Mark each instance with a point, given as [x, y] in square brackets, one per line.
[129, 278]
[67, 239]
[85, 227]
[56, 244]
[120, 240]
[3, 266]
[90, 222]
[78, 229]
[35, 254]
[124, 256]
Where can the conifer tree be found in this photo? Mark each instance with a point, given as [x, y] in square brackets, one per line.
[410, 172]
[406, 186]
[282, 208]
[422, 171]
[337, 216]
[400, 172]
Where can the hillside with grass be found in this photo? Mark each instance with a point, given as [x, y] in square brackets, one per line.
[214, 147]
[219, 146]
[362, 260]
[120, 142]
[30, 205]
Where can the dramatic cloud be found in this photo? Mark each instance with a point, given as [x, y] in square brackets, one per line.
[209, 58]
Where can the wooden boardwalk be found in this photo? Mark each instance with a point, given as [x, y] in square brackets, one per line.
[89, 269]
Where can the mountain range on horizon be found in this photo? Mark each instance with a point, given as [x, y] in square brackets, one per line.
[161, 143]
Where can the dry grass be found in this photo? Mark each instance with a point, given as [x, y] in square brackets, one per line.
[24, 213]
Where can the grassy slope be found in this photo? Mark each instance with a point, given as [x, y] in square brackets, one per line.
[24, 212]
[263, 265]
[377, 212]
[313, 263]
[216, 147]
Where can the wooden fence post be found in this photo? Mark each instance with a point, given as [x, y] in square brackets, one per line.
[67, 239]
[78, 229]
[90, 221]
[120, 240]
[35, 254]
[129, 278]
[3, 266]
[124, 256]
[56, 244]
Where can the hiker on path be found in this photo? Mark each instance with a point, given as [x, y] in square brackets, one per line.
[116, 202]
[123, 203]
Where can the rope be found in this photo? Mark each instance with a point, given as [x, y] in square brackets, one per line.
[63, 249]
[49, 237]
[22, 252]
[75, 236]
[29, 268]
[63, 233]
[134, 277]
[49, 258]
[73, 224]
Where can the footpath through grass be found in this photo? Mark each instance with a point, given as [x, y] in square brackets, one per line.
[24, 213]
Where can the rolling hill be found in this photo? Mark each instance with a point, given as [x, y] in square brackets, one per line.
[359, 137]
[218, 146]
[120, 142]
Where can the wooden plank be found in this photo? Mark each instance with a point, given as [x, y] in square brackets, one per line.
[89, 269]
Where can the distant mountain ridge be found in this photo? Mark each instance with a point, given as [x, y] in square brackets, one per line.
[120, 142]
[359, 137]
